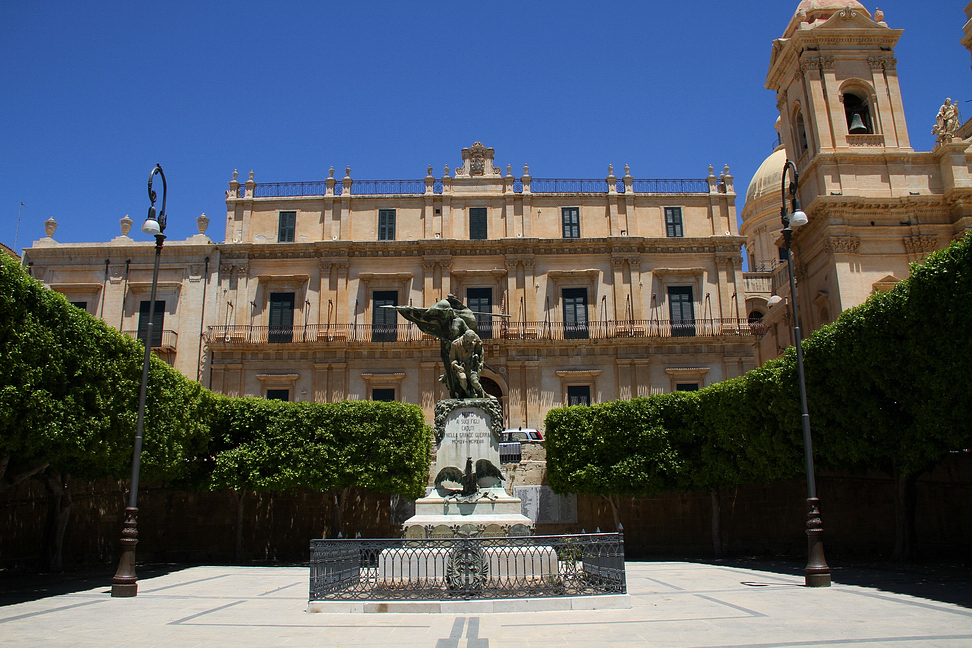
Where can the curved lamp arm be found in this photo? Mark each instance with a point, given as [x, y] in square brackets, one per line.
[155, 224]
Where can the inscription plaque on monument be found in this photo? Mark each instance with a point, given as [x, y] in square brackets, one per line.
[467, 434]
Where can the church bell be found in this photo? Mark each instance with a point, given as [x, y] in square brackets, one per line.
[857, 126]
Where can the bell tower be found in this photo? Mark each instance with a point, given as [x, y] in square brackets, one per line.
[836, 85]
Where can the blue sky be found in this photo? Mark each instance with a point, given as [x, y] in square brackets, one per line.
[92, 96]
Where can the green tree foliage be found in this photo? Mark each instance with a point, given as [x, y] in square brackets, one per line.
[69, 389]
[273, 445]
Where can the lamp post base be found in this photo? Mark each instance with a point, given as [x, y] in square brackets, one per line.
[125, 582]
[818, 571]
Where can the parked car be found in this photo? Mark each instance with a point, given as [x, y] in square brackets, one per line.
[522, 434]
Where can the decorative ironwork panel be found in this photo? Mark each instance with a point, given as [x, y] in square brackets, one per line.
[670, 186]
[387, 187]
[558, 185]
[467, 567]
[289, 189]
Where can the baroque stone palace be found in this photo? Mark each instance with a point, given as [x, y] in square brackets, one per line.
[588, 290]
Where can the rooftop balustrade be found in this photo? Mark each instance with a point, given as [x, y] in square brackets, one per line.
[419, 187]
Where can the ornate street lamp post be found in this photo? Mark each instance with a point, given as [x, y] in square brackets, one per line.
[125, 582]
[817, 572]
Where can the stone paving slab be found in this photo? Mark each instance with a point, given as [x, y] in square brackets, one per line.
[673, 604]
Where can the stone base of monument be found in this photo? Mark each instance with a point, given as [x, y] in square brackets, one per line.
[494, 513]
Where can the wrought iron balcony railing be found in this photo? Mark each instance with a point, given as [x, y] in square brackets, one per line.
[345, 334]
[467, 568]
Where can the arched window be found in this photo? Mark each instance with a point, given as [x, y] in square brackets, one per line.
[756, 321]
[858, 113]
[799, 130]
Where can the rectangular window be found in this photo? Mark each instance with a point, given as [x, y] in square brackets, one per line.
[575, 313]
[384, 320]
[386, 224]
[278, 394]
[383, 394]
[686, 386]
[83, 305]
[571, 220]
[682, 311]
[158, 319]
[480, 300]
[281, 329]
[673, 221]
[578, 395]
[287, 227]
[477, 222]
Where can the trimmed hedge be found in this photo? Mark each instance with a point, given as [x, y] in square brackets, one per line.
[889, 386]
[274, 445]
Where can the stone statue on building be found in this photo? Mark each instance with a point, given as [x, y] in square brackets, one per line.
[460, 346]
[947, 122]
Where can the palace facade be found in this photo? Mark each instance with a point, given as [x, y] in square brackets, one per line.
[588, 290]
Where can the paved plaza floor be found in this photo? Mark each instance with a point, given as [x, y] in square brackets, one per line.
[673, 604]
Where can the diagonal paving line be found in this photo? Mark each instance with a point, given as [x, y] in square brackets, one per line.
[51, 611]
[205, 612]
[904, 601]
[283, 587]
[184, 583]
[664, 584]
[733, 606]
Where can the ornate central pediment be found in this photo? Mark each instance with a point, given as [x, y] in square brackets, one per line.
[477, 160]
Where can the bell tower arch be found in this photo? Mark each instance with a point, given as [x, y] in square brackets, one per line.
[835, 77]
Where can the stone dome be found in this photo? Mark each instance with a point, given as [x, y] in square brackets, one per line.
[768, 176]
[817, 11]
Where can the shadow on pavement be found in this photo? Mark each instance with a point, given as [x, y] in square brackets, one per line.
[20, 586]
[943, 581]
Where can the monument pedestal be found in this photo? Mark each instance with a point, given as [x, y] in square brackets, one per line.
[468, 429]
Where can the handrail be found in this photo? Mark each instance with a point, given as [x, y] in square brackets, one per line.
[354, 334]
[418, 187]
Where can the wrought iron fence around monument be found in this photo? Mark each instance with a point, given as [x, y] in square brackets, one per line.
[467, 568]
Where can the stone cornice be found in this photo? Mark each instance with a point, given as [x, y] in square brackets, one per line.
[510, 248]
